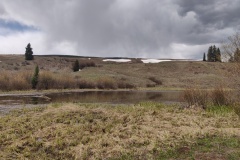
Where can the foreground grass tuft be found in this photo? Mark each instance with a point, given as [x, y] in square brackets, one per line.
[143, 131]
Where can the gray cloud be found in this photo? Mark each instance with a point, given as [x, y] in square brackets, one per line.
[136, 28]
[217, 14]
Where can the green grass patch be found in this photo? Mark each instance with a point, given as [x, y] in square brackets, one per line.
[220, 110]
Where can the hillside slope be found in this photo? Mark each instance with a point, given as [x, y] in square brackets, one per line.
[167, 75]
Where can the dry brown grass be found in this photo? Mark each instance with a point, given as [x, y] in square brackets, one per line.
[14, 80]
[203, 98]
[83, 84]
[86, 63]
[106, 83]
[196, 97]
[155, 80]
[220, 97]
[21, 80]
[125, 85]
[49, 80]
[71, 131]
[172, 74]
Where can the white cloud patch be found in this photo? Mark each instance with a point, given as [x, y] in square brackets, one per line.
[16, 43]
[181, 51]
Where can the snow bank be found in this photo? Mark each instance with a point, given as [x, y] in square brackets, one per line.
[153, 60]
[117, 60]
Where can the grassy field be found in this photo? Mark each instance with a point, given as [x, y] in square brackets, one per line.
[204, 129]
[56, 73]
[141, 131]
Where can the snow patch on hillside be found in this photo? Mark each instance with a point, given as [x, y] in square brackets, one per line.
[117, 60]
[154, 60]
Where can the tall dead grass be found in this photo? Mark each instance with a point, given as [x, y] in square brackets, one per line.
[49, 80]
[216, 97]
[83, 84]
[196, 97]
[14, 80]
[220, 97]
[106, 83]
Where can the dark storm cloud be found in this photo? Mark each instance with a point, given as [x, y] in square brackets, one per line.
[217, 14]
[149, 28]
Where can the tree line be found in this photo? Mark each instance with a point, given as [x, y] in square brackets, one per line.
[213, 55]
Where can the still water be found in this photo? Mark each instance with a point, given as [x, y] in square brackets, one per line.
[111, 97]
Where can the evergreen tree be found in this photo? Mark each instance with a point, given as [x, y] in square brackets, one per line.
[204, 57]
[218, 55]
[214, 54]
[75, 66]
[35, 78]
[28, 52]
[209, 55]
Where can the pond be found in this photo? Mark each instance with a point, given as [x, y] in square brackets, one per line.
[109, 97]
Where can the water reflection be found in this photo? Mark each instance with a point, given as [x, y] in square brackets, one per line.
[114, 97]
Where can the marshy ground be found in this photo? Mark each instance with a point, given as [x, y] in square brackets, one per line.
[141, 131]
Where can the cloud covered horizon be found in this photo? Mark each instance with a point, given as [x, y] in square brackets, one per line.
[120, 28]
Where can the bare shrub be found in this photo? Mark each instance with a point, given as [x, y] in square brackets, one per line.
[86, 63]
[121, 84]
[220, 97]
[231, 46]
[137, 60]
[153, 79]
[196, 97]
[124, 85]
[86, 85]
[150, 85]
[130, 86]
[106, 83]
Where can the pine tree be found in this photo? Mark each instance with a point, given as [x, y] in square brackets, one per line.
[75, 66]
[28, 52]
[35, 78]
[214, 54]
[209, 55]
[218, 55]
[204, 57]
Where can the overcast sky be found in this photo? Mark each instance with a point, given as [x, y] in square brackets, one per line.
[129, 28]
